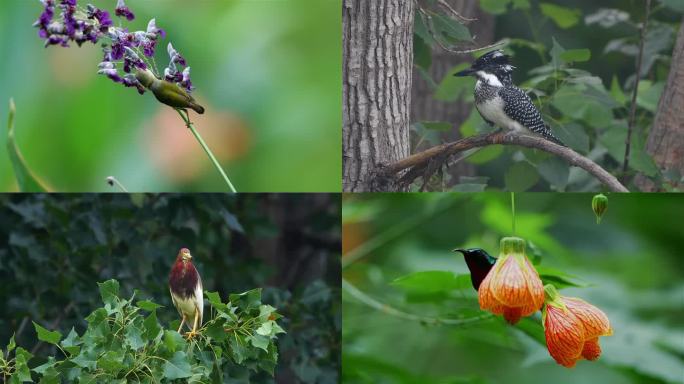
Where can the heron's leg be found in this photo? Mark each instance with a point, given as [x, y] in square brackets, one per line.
[192, 333]
[181, 324]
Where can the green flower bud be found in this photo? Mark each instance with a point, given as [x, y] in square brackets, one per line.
[599, 204]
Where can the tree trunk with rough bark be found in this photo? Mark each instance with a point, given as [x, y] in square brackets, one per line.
[426, 108]
[666, 139]
[377, 67]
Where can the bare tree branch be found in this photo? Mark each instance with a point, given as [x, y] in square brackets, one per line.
[416, 164]
[450, 10]
[427, 20]
[632, 111]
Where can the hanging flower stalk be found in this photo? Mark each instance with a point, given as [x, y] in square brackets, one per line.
[572, 328]
[512, 287]
[128, 57]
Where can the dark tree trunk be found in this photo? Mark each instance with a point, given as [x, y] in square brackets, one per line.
[666, 139]
[424, 107]
[377, 67]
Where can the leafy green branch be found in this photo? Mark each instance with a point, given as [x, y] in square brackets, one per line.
[124, 342]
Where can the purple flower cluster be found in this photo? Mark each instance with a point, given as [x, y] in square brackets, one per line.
[130, 49]
[172, 74]
[122, 10]
[70, 25]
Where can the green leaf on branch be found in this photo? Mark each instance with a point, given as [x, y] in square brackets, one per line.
[575, 55]
[109, 290]
[52, 337]
[495, 7]
[148, 305]
[426, 282]
[562, 16]
[521, 176]
[177, 367]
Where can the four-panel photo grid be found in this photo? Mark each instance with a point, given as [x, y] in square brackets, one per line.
[342, 191]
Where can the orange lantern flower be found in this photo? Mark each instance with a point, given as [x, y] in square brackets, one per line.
[572, 328]
[512, 287]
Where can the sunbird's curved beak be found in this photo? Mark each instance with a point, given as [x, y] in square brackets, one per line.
[465, 72]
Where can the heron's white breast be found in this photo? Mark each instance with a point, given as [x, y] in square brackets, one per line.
[187, 305]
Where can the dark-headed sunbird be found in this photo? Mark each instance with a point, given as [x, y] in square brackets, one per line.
[479, 263]
[167, 92]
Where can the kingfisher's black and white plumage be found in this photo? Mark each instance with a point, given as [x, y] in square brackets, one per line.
[500, 102]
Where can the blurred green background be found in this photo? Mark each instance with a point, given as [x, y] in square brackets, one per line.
[631, 265]
[55, 248]
[267, 72]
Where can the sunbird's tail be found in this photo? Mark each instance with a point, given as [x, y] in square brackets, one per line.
[197, 108]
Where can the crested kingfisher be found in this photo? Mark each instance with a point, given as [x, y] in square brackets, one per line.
[501, 103]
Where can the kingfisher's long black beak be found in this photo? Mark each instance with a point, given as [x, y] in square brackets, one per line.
[465, 72]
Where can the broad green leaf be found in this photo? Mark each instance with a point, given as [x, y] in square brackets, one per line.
[21, 369]
[152, 328]
[177, 367]
[265, 328]
[422, 53]
[173, 341]
[556, 51]
[520, 177]
[557, 277]
[148, 305]
[495, 7]
[85, 360]
[616, 91]
[575, 55]
[259, 341]
[71, 343]
[555, 171]
[134, 336]
[247, 300]
[215, 301]
[109, 291]
[25, 179]
[451, 29]
[44, 367]
[451, 88]
[52, 337]
[486, 154]
[111, 361]
[427, 281]
[562, 16]
[574, 136]
[648, 95]
[533, 328]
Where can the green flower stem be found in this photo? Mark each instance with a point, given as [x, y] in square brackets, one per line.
[513, 210]
[188, 124]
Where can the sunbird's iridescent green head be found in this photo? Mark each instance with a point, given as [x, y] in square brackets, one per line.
[168, 93]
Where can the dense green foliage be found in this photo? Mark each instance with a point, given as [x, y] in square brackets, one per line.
[121, 345]
[577, 62]
[56, 247]
[270, 86]
[412, 315]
